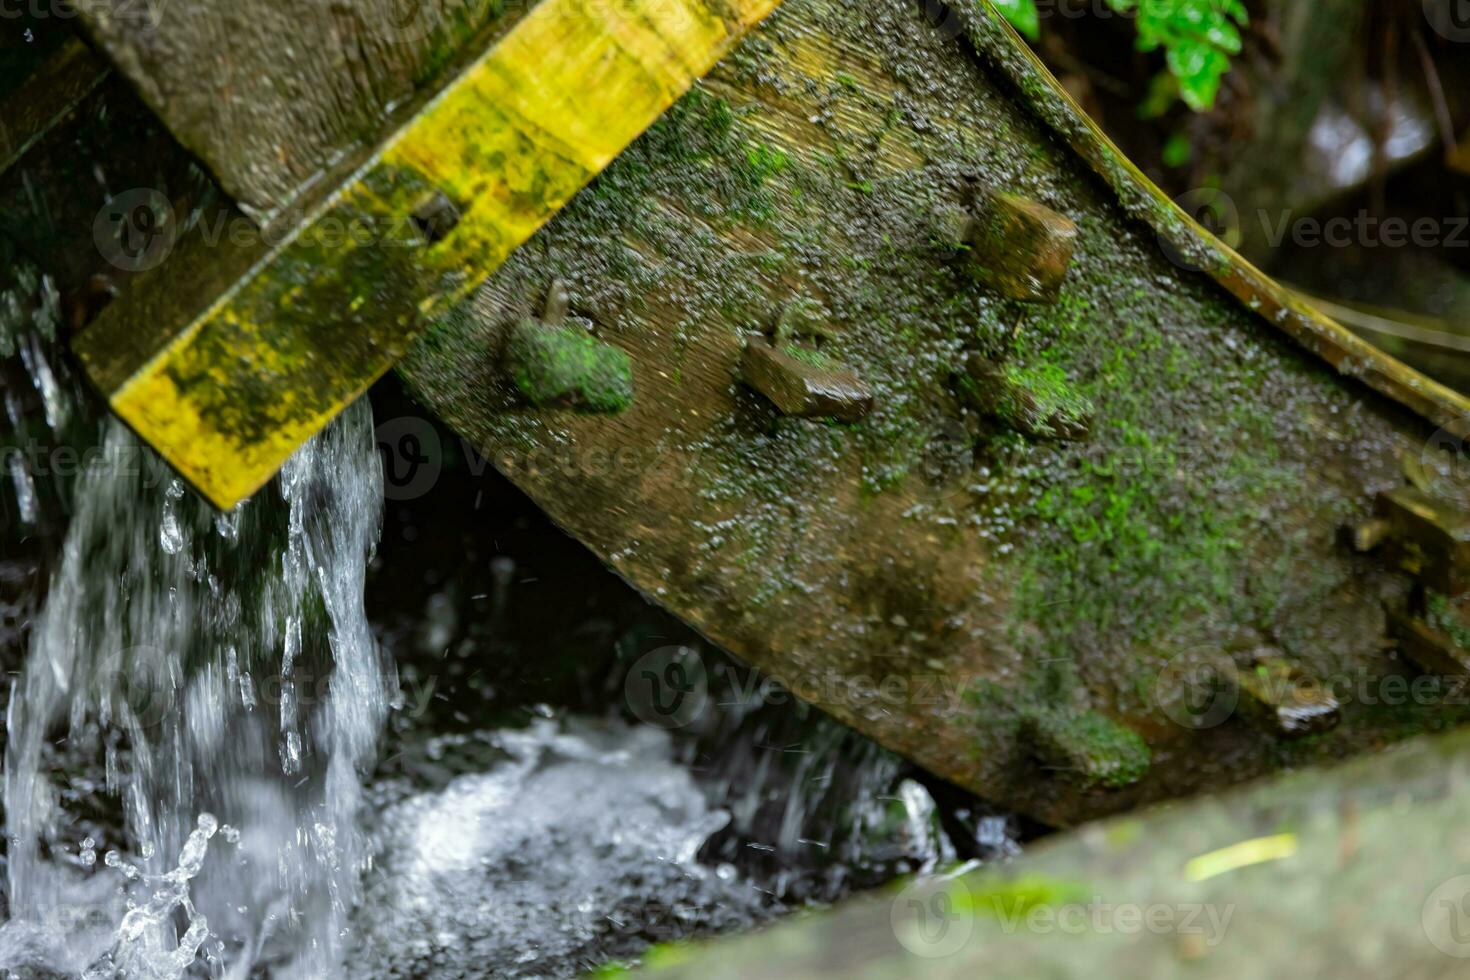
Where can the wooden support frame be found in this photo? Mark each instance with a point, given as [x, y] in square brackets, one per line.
[1090, 580]
[241, 346]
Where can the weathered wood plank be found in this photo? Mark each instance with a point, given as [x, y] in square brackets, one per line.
[272, 95]
[235, 350]
[931, 576]
[45, 96]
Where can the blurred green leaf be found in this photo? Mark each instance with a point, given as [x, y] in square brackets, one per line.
[1198, 38]
[1022, 15]
[1178, 150]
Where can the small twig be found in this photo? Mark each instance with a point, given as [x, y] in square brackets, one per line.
[1436, 93]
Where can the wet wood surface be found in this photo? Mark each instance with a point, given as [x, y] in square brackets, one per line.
[929, 575]
[270, 95]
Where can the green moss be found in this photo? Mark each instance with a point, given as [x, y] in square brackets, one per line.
[1183, 466]
[1442, 617]
[1087, 745]
[701, 136]
[1039, 397]
[1157, 535]
[808, 355]
[565, 366]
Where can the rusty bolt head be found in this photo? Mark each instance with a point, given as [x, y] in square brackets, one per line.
[1019, 248]
[804, 382]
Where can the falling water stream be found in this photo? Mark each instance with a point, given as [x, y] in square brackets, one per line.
[218, 676]
[223, 669]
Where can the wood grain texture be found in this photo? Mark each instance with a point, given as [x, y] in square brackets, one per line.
[1189, 245]
[269, 95]
[925, 575]
[237, 349]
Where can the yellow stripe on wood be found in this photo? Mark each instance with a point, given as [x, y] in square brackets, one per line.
[228, 356]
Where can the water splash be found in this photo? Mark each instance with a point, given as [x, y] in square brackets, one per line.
[217, 664]
[141, 951]
[577, 843]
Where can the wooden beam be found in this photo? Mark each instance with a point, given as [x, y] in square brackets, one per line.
[270, 95]
[240, 347]
[952, 582]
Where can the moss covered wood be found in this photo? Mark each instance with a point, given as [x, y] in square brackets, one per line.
[270, 95]
[270, 405]
[563, 366]
[804, 382]
[931, 574]
[237, 348]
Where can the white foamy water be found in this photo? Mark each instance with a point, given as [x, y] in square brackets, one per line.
[224, 669]
[576, 843]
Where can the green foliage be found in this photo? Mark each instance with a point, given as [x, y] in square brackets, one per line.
[1178, 150]
[1198, 37]
[1022, 14]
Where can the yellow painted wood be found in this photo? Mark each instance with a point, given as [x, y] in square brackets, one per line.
[226, 383]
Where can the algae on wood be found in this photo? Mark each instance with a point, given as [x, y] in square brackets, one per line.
[232, 353]
[929, 575]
